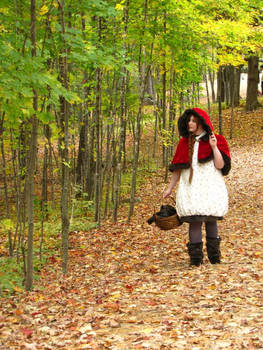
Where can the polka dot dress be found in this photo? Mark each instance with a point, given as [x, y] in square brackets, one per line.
[206, 195]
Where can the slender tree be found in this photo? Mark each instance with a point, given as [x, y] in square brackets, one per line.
[31, 164]
[252, 86]
[64, 140]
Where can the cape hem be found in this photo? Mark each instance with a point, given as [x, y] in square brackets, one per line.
[178, 166]
[225, 170]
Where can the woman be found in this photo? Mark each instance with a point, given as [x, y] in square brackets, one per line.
[200, 161]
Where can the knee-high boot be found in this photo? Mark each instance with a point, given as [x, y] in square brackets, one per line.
[195, 251]
[213, 250]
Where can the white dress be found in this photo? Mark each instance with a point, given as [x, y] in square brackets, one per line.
[206, 197]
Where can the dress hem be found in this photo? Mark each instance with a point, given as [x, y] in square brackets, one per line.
[200, 218]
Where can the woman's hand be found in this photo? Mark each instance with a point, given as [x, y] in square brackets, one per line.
[167, 193]
[174, 179]
[212, 140]
[218, 158]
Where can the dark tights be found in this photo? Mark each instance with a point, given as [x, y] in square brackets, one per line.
[195, 231]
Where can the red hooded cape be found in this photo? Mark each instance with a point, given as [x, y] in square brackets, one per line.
[205, 153]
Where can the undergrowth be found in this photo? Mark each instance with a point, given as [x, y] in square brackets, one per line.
[47, 236]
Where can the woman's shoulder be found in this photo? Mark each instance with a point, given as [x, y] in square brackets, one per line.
[220, 137]
[221, 140]
[183, 140]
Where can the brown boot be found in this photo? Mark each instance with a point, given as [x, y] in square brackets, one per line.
[213, 250]
[195, 251]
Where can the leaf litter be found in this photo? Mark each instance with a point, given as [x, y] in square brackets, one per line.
[130, 286]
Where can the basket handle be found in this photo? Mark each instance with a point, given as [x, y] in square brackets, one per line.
[170, 197]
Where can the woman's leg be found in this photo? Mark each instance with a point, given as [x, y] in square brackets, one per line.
[211, 229]
[195, 232]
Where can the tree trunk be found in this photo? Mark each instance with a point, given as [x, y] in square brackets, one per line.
[237, 86]
[107, 169]
[91, 165]
[123, 121]
[31, 165]
[4, 169]
[220, 85]
[172, 112]
[10, 244]
[111, 149]
[44, 199]
[252, 85]
[233, 104]
[64, 143]
[143, 83]
[155, 113]
[137, 146]
[18, 191]
[98, 147]
[212, 84]
[164, 126]
[81, 158]
[207, 93]
[219, 91]
[227, 89]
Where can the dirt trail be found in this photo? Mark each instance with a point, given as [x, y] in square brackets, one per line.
[131, 287]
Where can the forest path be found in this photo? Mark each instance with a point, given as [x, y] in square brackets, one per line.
[130, 285]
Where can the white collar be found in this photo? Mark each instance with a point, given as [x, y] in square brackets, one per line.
[197, 138]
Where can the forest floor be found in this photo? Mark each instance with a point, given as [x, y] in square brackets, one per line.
[130, 286]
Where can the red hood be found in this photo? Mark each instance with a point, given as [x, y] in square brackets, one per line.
[199, 113]
[205, 116]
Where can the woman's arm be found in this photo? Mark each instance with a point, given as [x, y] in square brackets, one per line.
[174, 179]
[218, 159]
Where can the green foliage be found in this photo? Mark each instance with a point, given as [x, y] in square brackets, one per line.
[82, 224]
[167, 137]
[192, 30]
[6, 224]
[11, 275]
[12, 272]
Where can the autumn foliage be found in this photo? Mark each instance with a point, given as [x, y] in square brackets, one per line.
[129, 286]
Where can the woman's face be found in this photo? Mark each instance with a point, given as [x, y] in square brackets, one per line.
[194, 126]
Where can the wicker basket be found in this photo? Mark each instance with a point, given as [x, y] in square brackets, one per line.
[169, 222]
